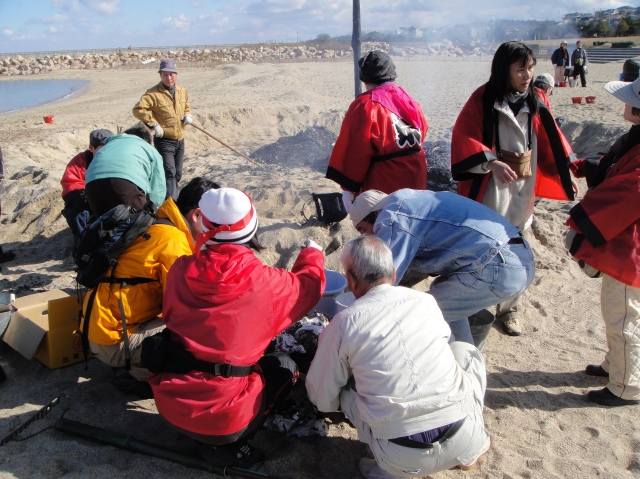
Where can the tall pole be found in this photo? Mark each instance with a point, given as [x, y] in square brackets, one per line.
[355, 44]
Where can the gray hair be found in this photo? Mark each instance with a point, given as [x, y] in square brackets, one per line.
[368, 259]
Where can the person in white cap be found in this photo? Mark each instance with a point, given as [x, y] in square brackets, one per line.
[224, 307]
[414, 399]
[544, 81]
[165, 109]
[604, 239]
[479, 257]
[560, 60]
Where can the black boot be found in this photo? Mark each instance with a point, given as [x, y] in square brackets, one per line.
[605, 397]
[596, 370]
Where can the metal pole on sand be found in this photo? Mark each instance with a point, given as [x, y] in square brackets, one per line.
[132, 444]
[228, 146]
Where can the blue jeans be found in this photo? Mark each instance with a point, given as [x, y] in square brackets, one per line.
[461, 295]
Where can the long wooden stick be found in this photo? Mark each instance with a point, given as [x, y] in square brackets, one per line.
[228, 146]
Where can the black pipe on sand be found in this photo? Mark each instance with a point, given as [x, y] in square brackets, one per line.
[132, 444]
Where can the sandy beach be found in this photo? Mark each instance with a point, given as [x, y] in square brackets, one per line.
[287, 116]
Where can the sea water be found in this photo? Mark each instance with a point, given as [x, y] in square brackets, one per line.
[20, 94]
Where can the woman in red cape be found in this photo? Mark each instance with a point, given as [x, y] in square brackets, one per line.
[507, 149]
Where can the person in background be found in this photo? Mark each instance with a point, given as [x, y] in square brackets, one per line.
[165, 110]
[544, 81]
[126, 171]
[579, 62]
[5, 256]
[76, 207]
[605, 239]
[560, 60]
[223, 306]
[385, 361]
[380, 141]
[479, 258]
[507, 150]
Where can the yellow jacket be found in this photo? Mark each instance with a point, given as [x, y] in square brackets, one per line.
[144, 258]
[157, 106]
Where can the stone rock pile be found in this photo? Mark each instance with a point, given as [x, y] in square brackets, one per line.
[35, 65]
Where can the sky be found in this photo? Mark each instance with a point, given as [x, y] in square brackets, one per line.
[47, 25]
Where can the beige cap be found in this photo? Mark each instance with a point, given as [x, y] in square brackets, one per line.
[365, 203]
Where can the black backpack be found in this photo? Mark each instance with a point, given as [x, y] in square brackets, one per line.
[101, 243]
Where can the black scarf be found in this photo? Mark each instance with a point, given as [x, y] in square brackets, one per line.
[620, 148]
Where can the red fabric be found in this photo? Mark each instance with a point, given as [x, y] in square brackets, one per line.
[466, 141]
[225, 306]
[398, 101]
[73, 177]
[368, 130]
[613, 207]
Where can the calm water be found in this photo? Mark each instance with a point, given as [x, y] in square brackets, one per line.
[20, 94]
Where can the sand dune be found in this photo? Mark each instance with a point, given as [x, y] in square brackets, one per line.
[287, 116]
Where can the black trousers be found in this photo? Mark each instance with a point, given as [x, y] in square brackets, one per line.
[280, 373]
[172, 152]
[108, 193]
[579, 70]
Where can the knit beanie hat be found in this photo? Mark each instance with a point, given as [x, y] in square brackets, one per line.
[365, 203]
[228, 216]
[376, 67]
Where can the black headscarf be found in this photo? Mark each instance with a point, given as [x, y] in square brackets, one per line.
[376, 68]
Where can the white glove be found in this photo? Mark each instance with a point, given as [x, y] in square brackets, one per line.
[158, 132]
[348, 198]
[187, 120]
[309, 243]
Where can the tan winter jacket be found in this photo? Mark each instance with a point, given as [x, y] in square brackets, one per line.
[157, 106]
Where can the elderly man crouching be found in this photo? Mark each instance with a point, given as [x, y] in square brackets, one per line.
[414, 399]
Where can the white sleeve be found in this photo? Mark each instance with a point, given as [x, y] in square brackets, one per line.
[330, 370]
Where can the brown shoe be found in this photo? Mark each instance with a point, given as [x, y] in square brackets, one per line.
[510, 323]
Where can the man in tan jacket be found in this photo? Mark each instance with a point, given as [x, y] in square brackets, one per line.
[165, 109]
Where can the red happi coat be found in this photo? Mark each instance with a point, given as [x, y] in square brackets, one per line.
[376, 148]
[225, 306]
[608, 220]
[472, 144]
[73, 177]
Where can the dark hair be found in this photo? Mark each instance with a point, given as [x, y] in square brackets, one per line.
[190, 195]
[635, 111]
[506, 55]
[140, 131]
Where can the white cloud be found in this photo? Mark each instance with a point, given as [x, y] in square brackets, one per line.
[197, 3]
[95, 29]
[109, 7]
[179, 22]
[57, 18]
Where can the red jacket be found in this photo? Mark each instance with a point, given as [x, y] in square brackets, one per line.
[73, 177]
[225, 306]
[608, 218]
[378, 150]
[473, 138]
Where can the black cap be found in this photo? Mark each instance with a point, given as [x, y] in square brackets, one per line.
[376, 67]
[97, 137]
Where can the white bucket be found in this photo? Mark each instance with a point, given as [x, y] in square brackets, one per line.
[344, 300]
[573, 83]
[336, 284]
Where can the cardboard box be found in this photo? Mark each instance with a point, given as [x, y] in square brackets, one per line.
[43, 327]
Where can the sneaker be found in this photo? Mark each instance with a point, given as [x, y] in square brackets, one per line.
[605, 397]
[510, 323]
[474, 463]
[369, 468]
[236, 454]
[596, 370]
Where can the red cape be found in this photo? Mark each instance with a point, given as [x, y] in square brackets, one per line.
[473, 138]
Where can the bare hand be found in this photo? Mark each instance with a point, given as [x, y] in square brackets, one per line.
[576, 188]
[502, 172]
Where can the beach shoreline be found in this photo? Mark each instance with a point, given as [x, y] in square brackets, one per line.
[75, 91]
